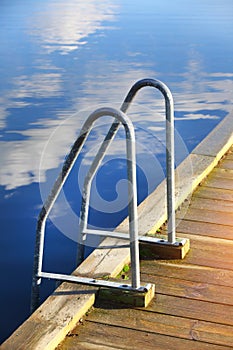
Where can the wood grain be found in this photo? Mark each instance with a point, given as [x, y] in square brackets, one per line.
[193, 308]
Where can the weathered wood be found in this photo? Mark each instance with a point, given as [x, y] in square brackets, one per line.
[225, 173]
[214, 193]
[212, 252]
[227, 163]
[209, 204]
[195, 273]
[164, 251]
[206, 251]
[219, 182]
[126, 338]
[49, 324]
[179, 327]
[211, 216]
[229, 156]
[194, 309]
[72, 345]
[192, 290]
[127, 298]
[205, 229]
[194, 297]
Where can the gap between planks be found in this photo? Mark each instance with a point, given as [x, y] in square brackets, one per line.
[154, 322]
[126, 338]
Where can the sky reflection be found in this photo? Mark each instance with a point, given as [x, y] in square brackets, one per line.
[60, 60]
[20, 158]
[65, 26]
[46, 93]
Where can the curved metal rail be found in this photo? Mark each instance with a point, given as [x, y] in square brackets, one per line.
[169, 110]
[120, 119]
[133, 228]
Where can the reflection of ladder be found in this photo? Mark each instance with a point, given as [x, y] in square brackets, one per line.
[120, 119]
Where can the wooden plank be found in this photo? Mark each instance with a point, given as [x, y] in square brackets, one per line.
[212, 252]
[126, 338]
[191, 289]
[212, 259]
[127, 298]
[205, 229]
[88, 346]
[49, 324]
[194, 299]
[210, 244]
[174, 326]
[195, 273]
[230, 151]
[211, 216]
[227, 163]
[164, 251]
[191, 308]
[210, 204]
[229, 155]
[225, 173]
[206, 251]
[214, 193]
[218, 182]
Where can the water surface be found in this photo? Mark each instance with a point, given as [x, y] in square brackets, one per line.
[59, 61]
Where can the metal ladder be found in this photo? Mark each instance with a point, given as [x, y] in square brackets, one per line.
[120, 119]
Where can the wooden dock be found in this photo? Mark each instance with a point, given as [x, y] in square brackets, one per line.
[193, 307]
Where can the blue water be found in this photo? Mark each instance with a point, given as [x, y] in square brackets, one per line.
[59, 60]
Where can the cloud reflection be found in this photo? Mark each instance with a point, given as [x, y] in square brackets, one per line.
[198, 95]
[65, 26]
[38, 85]
[19, 159]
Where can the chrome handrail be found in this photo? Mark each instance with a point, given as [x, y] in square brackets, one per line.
[132, 204]
[169, 109]
[120, 119]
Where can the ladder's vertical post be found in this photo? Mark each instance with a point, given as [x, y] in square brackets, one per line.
[83, 224]
[170, 166]
[132, 205]
[120, 118]
[87, 188]
[170, 152]
[169, 160]
[38, 258]
[40, 231]
[132, 188]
